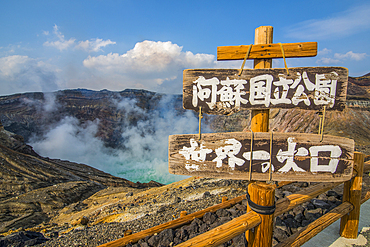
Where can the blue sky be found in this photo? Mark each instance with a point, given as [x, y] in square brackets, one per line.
[51, 45]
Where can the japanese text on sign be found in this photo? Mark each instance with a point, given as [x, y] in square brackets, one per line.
[227, 155]
[263, 90]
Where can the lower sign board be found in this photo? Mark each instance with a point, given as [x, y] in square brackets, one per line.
[223, 91]
[262, 156]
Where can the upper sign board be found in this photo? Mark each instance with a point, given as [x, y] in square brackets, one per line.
[303, 49]
[223, 92]
[292, 156]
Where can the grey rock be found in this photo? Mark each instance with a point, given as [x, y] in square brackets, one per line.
[279, 221]
[222, 213]
[240, 241]
[206, 194]
[209, 218]
[233, 212]
[298, 210]
[166, 237]
[320, 204]
[332, 193]
[182, 234]
[313, 213]
[299, 217]
[154, 240]
[280, 234]
[241, 207]
[223, 220]
[287, 193]
[291, 222]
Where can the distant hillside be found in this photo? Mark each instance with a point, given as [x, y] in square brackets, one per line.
[34, 113]
[359, 87]
[31, 114]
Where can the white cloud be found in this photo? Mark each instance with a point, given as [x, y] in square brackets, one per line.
[339, 58]
[324, 51]
[352, 21]
[24, 74]
[148, 57]
[61, 44]
[328, 60]
[94, 44]
[148, 65]
[351, 56]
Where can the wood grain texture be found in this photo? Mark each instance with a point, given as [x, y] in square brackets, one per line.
[262, 194]
[214, 166]
[262, 234]
[352, 193]
[258, 51]
[225, 232]
[226, 96]
[260, 118]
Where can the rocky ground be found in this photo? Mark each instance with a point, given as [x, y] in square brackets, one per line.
[119, 211]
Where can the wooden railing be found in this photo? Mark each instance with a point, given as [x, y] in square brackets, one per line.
[348, 211]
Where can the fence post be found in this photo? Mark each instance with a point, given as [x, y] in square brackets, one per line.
[260, 117]
[352, 193]
[262, 194]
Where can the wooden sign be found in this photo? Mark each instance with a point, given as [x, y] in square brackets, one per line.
[304, 49]
[223, 92]
[294, 156]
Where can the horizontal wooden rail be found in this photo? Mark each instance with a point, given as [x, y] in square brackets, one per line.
[367, 166]
[282, 183]
[302, 236]
[285, 204]
[171, 224]
[225, 232]
[282, 206]
[308, 232]
[365, 196]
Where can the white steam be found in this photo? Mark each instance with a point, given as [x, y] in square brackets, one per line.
[144, 155]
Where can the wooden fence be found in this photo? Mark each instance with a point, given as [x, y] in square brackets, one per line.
[348, 211]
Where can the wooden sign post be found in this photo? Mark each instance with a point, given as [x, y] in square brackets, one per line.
[260, 123]
[263, 156]
[224, 91]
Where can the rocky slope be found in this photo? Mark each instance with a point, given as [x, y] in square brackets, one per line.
[33, 188]
[33, 114]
